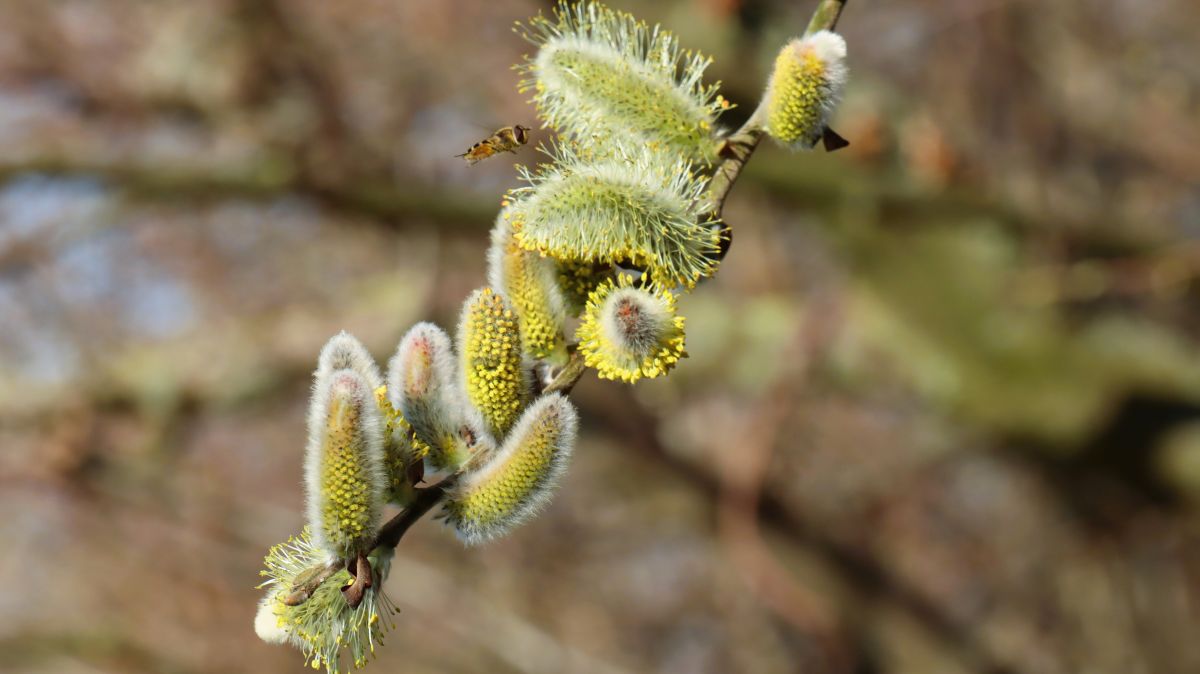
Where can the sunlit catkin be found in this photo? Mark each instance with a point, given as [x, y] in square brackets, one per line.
[344, 352]
[494, 378]
[627, 205]
[805, 88]
[530, 282]
[318, 619]
[599, 73]
[344, 472]
[398, 449]
[630, 333]
[513, 483]
[422, 386]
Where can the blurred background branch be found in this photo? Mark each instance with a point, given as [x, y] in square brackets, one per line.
[939, 413]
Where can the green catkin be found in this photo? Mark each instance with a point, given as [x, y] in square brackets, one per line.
[628, 205]
[324, 625]
[599, 73]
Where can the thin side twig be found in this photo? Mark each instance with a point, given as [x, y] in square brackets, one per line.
[568, 376]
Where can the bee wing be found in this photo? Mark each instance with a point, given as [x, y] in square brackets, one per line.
[485, 127]
[471, 149]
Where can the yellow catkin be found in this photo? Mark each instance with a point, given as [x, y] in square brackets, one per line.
[495, 381]
[577, 280]
[630, 333]
[399, 450]
[515, 481]
[346, 492]
[346, 474]
[529, 282]
[804, 88]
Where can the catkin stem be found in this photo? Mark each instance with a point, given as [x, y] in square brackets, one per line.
[825, 17]
[568, 376]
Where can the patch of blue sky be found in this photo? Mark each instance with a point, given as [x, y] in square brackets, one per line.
[36, 203]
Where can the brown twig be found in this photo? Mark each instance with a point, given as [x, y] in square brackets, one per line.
[428, 497]
[360, 570]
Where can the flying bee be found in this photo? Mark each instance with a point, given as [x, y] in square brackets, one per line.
[507, 139]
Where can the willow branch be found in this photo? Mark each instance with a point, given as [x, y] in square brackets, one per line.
[738, 147]
[395, 528]
[737, 150]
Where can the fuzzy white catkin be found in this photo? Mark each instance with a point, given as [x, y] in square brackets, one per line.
[345, 471]
[422, 384]
[266, 622]
[345, 352]
[628, 205]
